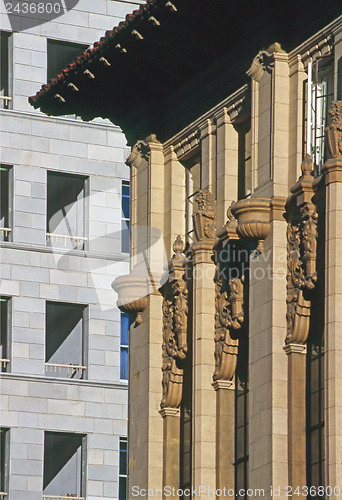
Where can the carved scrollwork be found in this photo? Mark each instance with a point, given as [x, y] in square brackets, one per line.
[301, 263]
[175, 319]
[229, 317]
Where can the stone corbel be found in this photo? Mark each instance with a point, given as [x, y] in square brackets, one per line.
[301, 255]
[132, 291]
[175, 317]
[141, 151]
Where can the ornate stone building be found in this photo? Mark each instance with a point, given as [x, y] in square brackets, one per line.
[236, 128]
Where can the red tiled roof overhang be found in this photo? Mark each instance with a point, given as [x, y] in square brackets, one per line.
[172, 60]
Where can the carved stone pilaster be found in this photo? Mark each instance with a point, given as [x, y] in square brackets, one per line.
[334, 131]
[175, 318]
[229, 317]
[301, 255]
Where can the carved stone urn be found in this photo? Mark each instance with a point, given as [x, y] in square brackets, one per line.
[132, 291]
[253, 216]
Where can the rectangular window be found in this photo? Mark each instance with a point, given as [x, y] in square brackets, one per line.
[124, 334]
[317, 101]
[5, 75]
[5, 203]
[123, 469]
[192, 186]
[4, 334]
[125, 216]
[64, 343]
[4, 462]
[63, 466]
[66, 210]
[60, 54]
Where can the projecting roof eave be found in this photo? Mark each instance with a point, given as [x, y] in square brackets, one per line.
[172, 60]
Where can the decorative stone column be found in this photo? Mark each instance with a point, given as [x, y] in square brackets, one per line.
[175, 348]
[204, 403]
[301, 279]
[229, 316]
[332, 172]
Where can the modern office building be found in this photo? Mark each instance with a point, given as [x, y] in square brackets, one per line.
[63, 231]
[235, 124]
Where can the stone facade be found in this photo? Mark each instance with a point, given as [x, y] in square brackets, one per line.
[33, 400]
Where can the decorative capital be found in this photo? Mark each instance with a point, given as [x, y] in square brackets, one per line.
[229, 229]
[295, 349]
[226, 385]
[169, 412]
[264, 62]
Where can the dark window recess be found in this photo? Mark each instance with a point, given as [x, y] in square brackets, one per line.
[5, 223]
[4, 341]
[4, 460]
[5, 97]
[60, 54]
[64, 344]
[124, 338]
[66, 210]
[125, 217]
[63, 464]
[123, 469]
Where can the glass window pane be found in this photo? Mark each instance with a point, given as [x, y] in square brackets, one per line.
[125, 207]
[125, 236]
[122, 488]
[123, 457]
[124, 328]
[125, 188]
[124, 363]
[314, 408]
[240, 442]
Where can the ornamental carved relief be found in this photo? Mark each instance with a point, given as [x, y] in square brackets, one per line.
[175, 320]
[301, 258]
[334, 131]
[229, 317]
[204, 217]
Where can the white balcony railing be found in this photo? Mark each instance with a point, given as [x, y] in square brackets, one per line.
[58, 367]
[4, 231]
[3, 495]
[4, 101]
[3, 363]
[58, 497]
[64, 240]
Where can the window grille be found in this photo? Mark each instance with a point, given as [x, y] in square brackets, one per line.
[192, 186]
[318, 95]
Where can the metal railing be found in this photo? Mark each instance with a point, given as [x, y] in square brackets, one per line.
[58, 497]
[3, 363]
[4, 101]
[64, 239]
[4, 231]
[71, 368]
[3, 494]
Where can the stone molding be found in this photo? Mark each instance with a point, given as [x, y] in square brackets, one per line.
[226, 385]
[142, 150]
[169, 412]
[295, 349]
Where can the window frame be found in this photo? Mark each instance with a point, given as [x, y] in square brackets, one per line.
[8, 103]
[124, 220]
[85, 341]
[121, 475]
[5, 367]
